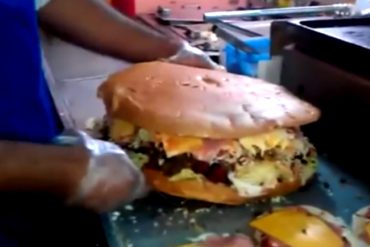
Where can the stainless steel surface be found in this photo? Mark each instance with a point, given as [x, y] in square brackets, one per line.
[341, 187]
[336, 9]
[73, 75]
[162, 221]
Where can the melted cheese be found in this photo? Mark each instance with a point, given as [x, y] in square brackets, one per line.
[174, 145]
[295, 228]
[185, 174]
[254, 179]
[120, 129]
[367, 229]
[276, 138]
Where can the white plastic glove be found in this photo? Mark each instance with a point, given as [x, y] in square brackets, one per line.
[192, 56]
[111, 178]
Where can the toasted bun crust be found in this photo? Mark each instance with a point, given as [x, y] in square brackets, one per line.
[187, 101]
[208, 191]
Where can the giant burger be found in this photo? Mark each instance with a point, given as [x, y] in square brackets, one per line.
[210, 135]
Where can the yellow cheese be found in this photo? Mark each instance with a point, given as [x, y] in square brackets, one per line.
[185, 174]
[120, 129]
[296, 228]
[253, 179]
[266, 141]
[175, 145]
[367, 229]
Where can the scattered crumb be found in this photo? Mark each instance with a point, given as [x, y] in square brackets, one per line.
[164, 232]
[185, 213]
[115, 215]
[192, 221]
[179, 210]
[160, 210]
[129, 244]
[155, 224]
[202, 210]
[220, 212]
[277, 199]
[201, 237]
[129, 207]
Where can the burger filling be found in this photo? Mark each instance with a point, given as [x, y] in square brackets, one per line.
[251, 165]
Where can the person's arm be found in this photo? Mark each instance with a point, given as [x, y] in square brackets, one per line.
[95, 25]
[55, 169]
[90, 173]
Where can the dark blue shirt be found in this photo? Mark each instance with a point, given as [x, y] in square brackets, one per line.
[27, 111]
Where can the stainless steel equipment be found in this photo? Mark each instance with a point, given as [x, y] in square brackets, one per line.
[335, 9]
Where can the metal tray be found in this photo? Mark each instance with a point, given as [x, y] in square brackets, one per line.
[164, 221]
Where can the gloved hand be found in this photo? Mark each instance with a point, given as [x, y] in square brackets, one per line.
[111, 178]
[192, 56]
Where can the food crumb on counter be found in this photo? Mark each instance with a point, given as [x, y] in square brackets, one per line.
[115, 215]
[164, 232]
[129, 244]
[129, 208]
[155, 224]
[220, 212]
[202, 237]
[133, 219]
[160, 210]
[202, 210]
[185, 214]
[278, 199]
[136, 230]
[192, 221]
[179, 210]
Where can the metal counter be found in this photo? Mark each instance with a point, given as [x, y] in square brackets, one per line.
[163, 221]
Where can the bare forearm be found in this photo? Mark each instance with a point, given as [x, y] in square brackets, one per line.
[95, 25]
[25, 166]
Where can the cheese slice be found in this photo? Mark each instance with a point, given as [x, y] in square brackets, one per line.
[266, 141]
[296, 228]
[120, 129]
[367, 229]
[175, 145]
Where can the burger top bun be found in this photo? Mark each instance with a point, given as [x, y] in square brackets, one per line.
[187, 101]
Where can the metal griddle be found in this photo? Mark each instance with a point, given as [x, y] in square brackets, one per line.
[341, 185]
[164, 221]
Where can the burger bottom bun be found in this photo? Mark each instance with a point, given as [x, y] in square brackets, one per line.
[204, 190]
